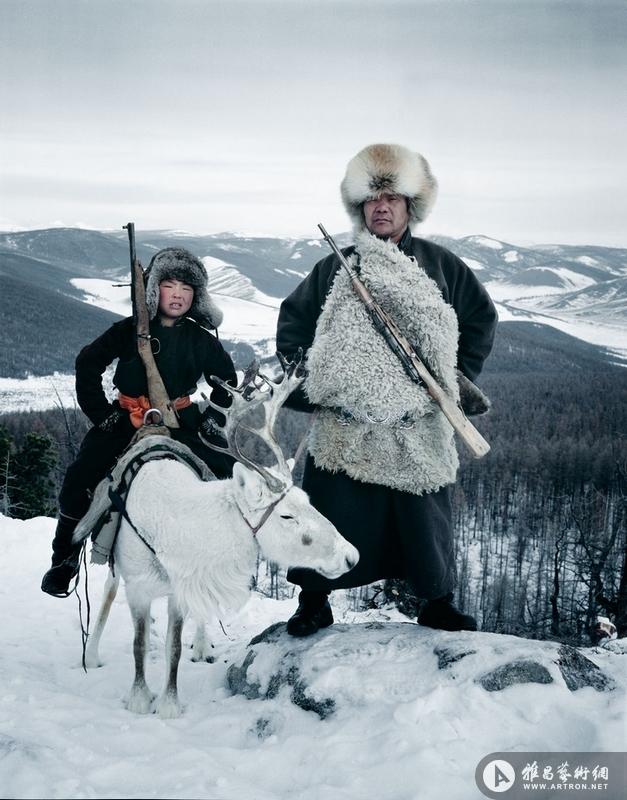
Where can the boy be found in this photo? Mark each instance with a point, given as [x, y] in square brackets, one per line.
[181, 311]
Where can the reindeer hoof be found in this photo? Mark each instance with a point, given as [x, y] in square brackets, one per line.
[169, 707]
[140, 701]
[197, 658]
[92, 661]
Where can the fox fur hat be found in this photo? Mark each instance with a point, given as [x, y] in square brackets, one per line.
[181, 265]
[388, 169]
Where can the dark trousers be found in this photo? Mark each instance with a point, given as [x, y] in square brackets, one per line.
[398, 534]
[99, 452]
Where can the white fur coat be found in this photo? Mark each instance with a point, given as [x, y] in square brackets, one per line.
[396, 435]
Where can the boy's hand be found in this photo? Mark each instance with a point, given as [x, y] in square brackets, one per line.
[109, 423]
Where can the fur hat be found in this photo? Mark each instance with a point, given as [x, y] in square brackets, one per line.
[181, 265]
[388, 168]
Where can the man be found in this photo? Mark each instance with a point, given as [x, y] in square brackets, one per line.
[381, 454]
[181, 312]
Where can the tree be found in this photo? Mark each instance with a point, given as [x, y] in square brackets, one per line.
[6, 486]
[31, 470]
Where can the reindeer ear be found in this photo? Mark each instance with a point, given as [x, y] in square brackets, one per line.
[248, 485]
[291, 463]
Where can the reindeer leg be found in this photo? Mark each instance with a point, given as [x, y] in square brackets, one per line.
[92, 658]
[168, 705]
[140, 698]
[201, 646]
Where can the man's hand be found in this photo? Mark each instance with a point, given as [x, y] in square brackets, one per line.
[209, 427]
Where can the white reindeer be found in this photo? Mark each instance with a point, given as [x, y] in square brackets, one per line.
[204, 538]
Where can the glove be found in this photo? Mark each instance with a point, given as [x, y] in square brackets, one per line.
[210, 429]
[109, 423]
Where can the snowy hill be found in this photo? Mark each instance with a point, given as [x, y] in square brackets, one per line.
[551, 284]
[577, 290]
[411, 716]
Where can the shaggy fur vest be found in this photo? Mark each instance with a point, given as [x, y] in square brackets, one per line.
[376, 425]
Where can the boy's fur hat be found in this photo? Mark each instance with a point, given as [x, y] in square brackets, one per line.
[180, 264]
[388, 168]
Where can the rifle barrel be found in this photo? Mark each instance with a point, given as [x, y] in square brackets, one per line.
[130, 227]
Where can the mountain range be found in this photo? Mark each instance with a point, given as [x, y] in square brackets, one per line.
[59, 289]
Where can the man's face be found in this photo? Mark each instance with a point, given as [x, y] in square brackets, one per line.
[175, 300]
[387, 216]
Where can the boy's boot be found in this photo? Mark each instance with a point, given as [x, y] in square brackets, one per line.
[313, 613]
[65, 558]
[442, 614]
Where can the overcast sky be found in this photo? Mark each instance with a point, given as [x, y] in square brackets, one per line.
[213, 116]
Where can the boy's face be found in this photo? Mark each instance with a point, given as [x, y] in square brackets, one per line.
[175, 300]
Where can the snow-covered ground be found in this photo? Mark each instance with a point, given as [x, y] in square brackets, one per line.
[250, 322]
[612, 337]
[113, 297]
[37, 393]
[417, 733]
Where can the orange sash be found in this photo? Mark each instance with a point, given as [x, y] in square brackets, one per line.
[137, 406]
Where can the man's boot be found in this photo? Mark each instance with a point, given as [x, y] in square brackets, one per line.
[313, 613]
[442, 614]
[65, 558]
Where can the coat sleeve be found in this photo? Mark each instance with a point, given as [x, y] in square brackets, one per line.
[476, 315]
[90, 365]
[297, 321]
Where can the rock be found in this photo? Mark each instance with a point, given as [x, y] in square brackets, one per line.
[237, 680]
[513, 673]
[446, 656]
[578, 671]
[287, 674]
[392, 663]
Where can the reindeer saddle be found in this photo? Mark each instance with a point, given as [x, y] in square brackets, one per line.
[108, 507]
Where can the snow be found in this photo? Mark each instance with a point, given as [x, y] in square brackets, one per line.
[296, 256]
[588, 261]
[232, 248]
[611, 337]
[37, 393]
[104, 294]
[500, 290]
[212, 263]
[300, 275]
[573, 280]
[403, 729]
[511, 256]
[474, 265]
[484, 241]
[249, 321]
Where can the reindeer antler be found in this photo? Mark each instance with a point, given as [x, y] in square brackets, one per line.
[258, 391]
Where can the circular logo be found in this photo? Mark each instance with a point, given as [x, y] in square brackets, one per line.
[499, 775]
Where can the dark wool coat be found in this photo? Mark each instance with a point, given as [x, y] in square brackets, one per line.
[398, 534]
[183, 353]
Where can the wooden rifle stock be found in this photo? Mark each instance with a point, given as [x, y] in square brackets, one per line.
[157, 393]
[412, 364]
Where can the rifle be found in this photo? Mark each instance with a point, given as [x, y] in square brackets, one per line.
[157, 393]
[412, 363]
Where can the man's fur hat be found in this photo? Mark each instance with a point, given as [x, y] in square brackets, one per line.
[181, 265]
[388, 168]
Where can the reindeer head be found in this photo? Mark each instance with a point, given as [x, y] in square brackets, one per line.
[289, 530]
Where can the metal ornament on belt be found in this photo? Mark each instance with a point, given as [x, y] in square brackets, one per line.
[345, 417]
